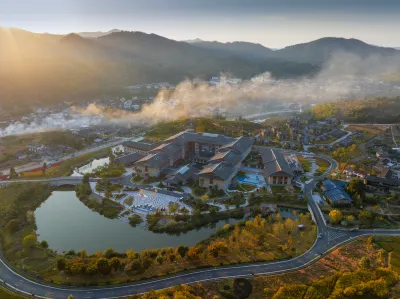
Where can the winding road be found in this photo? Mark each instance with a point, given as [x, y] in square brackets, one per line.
[331, 239]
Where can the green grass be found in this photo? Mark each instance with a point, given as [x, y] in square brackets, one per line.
[305, 163]
[278, 189]
[6, 294]
[395, 261]
[128, 201]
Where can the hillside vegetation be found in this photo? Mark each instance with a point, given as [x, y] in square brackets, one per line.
[372, 110]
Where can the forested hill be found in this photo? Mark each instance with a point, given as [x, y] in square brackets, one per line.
[45, 68]
[374, 110]
[49, 68]
[314, 52]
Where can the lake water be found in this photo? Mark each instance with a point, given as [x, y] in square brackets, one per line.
[88, 168]
[66, 223]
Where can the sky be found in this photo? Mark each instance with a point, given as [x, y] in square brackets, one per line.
[272, 23]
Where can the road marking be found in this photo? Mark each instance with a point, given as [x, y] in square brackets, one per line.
[333, 235]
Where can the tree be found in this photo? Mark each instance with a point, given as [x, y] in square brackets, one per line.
[61, 264]
[173, 207]
[194, 253]
[86, 178]
[13, 174]
[217, 248]
[350, 219]
[44, 244]
[182, 250]
[103, 265]
[365, 263]
[160, 259]
[44, 168]
[77, 267]
[172, 257]
[13, 225]
[115, 263]
[134, 266]
[108, 194]
[109, 253]
[130, 254]
[83, 254]
[91, 269]
[335, 216]
[30, 241]
[365, 217]
[70, 297]
[213, 211]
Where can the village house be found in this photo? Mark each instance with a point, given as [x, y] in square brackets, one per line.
[277, 170]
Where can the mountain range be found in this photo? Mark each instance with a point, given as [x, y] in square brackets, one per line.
[43, 67]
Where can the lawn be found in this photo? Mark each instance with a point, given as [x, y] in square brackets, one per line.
[6, 294]
[278, 189]
[395, 261]
[323, 165]
[129, 201]
[305, 163]
[369, 130]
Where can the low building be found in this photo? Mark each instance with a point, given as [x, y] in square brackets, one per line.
[182, 176]
[36, 147]
[380, 184]
[139, 147]
[218, 174]
[276, 168]
[129, 159]
[335, 194]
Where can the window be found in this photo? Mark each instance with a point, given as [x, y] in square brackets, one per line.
[211, 181]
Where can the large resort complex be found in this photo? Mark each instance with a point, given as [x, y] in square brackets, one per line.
[213, 160]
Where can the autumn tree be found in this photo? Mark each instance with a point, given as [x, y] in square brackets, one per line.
[103, 265]
[115, 263]
[350, 219]
[335, 216]
[194, 253]
[91, 269]
[217, 248]
[182, 250]
[29, 241]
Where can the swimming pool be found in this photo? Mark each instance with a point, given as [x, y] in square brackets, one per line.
[252, 179]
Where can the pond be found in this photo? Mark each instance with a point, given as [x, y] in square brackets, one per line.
[88, 168]
[66, 223]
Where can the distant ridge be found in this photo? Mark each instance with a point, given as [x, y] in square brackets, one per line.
[315, 52]
[97, 33]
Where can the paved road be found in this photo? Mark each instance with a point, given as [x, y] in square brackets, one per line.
[331, 238]
[67, 157]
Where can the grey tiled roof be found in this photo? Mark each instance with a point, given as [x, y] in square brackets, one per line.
[142, 146]
[130, 158]
[200, 137]
[229, 156]
[168, 148]
[222, 170]
[154, 160]
[240, 144]
[275, 163]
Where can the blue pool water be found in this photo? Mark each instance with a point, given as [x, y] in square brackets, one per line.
[251, 179]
